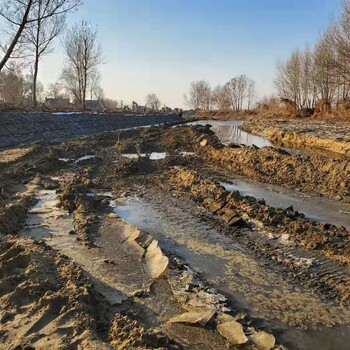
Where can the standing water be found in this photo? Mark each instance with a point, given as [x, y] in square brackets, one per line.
[230, 132]
[299, 318]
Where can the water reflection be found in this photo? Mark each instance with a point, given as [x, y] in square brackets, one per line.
[326, 210]
[229, 132]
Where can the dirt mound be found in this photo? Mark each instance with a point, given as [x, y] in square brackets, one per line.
[236, 210]
[46, 302]
[329, 177]
[12, 215]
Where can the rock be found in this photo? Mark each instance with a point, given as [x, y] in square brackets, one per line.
[232, 331]
[155, 262]
[204, 142]
[200, 317]
[263, 340]
[223, 318]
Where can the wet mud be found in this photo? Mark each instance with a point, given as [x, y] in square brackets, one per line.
[132, 240]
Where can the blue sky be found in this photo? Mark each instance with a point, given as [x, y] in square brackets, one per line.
[161, 46]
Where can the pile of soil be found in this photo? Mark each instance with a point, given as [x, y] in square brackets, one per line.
[330, 177]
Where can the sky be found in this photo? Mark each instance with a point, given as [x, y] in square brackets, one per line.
[161, 46]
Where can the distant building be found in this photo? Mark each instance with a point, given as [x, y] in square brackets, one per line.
[92, 105]
[57, 103]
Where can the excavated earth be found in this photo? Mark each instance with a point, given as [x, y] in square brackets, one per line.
[326, 136]
[132, 240]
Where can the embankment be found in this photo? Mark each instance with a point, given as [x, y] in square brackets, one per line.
[21, 128]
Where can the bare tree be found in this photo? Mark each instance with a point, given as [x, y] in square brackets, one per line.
[21, 14]
[109, 104]
[28, 88]
[153, 102]
[12, 87]
[41, 33]
[250, 93]
[221, 97]
[325, 76]
[94, 84]
[288, 79]
[240, 91]
[200, 95]
[83, 56]
[55, 90]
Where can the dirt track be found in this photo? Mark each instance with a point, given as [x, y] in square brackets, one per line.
[18, 128]
[158, 254]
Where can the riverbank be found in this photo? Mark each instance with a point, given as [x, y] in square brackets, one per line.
[320, 135]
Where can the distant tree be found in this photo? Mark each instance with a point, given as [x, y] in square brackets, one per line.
[96, 91]
[200, 95]
[20, 15]
[28, 87]
[56, 90]
[12, 87]
[250, 93]
[83, 56]
[109, 104]
[43, 30]
[221, 97]
[153, 102]
[295, 79]
[241, 92]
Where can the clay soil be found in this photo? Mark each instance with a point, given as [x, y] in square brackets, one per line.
[129, 241]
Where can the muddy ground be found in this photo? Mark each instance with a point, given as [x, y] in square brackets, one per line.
[132, 241]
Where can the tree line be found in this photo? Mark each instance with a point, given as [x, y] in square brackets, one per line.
[31, 28]
[237, 94]
[319, 75]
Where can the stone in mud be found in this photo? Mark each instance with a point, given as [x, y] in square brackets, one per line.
[204, 142]
[263, 340]
[223, 318]
[155, 262]
[194, 317]
[231, 330]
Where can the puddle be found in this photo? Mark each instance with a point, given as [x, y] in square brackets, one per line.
[88, 156]
[152, 156]
[157, 155]
[187, 154]
[320, 209]
[229, 131]
[263, 293]
[46, 222]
